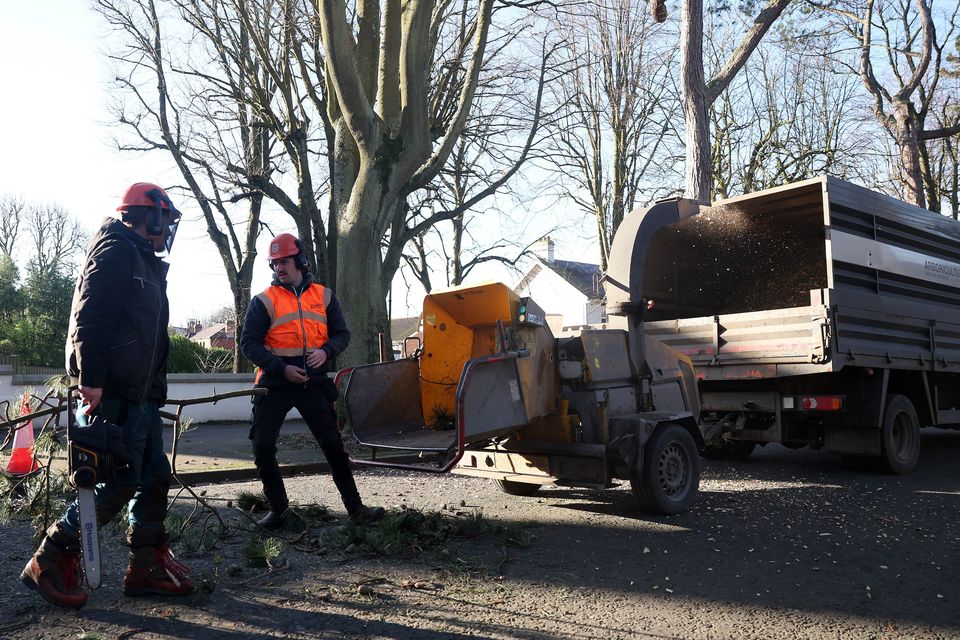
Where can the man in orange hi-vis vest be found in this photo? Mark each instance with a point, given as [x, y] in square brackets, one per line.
[292, 332]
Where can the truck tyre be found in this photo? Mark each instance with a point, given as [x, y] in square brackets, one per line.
[517, 488]
[900, 435]
[670, 476]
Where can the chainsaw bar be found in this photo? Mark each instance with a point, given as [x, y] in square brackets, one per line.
[89, 537]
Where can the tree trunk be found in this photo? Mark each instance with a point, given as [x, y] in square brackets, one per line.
[360, 264]
[695, 106]
[363, 302]
[241, 300]
[906, 137]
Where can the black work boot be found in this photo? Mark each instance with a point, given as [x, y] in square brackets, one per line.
[273, 521]
[54, 570]
[367, 515]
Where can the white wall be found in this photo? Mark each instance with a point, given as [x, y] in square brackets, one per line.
[557, 296]
[181, 386]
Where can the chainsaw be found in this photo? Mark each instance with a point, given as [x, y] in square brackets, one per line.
[96, 452]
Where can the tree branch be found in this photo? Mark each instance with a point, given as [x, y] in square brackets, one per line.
[432, 167]
[751, 39]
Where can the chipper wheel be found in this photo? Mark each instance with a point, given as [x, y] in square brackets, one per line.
[517, 488]
[670, 476]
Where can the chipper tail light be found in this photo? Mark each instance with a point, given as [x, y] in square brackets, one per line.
[813, 403]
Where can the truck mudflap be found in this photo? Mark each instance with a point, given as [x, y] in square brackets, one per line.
[387, 425]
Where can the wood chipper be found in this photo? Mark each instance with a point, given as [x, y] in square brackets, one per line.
[492, 393]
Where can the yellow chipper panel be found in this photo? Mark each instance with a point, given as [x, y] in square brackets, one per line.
[458, 325]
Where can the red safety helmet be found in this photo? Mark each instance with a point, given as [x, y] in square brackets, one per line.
[286, 245]
[147, 194]
[144, 194]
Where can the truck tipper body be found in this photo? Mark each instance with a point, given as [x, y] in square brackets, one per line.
[816, 314]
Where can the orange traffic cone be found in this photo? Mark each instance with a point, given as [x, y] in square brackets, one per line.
[22, 460]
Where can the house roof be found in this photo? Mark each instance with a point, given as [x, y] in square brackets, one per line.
[401, 328]
[211, 332]
[583, 276]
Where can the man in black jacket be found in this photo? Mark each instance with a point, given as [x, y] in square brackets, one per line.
[116, 352]
[292, 332]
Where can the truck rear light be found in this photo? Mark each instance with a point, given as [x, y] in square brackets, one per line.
[821, 403]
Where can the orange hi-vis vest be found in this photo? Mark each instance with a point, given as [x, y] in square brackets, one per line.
[297, 325]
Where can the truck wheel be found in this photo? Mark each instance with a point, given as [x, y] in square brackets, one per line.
[670, 476]
[517, 488]
[900, 435]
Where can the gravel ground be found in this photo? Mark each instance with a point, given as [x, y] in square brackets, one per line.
[787, 545]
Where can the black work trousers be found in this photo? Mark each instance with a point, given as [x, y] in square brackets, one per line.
[269, 412]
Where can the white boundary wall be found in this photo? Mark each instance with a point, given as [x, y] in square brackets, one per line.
[181, 386]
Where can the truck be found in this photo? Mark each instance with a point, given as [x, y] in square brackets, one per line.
[818, 314]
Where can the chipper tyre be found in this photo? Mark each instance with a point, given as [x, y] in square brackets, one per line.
[517, 488]
[670, 477]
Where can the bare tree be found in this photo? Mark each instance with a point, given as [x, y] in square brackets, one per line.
[351, 91]
[943, 159]
[902, 73]
[699, 94]
[56, 238]
[394, 131]
[788, 116]
[11, 213]
[203, 116]
[489, 153]
[456, 248]
[615, 125]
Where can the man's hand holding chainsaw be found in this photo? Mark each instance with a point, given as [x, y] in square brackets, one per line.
[91, 397]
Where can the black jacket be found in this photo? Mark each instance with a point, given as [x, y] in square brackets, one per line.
[117, 339]
[256, 324]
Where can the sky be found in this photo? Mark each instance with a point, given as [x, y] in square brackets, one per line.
[57, 148]
[57, 141]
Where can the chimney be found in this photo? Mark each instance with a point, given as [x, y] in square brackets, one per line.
[543, 248]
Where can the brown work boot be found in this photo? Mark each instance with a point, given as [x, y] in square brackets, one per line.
[153, 568]
[54, 570]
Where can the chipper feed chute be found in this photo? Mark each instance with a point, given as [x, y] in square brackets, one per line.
[483, 371]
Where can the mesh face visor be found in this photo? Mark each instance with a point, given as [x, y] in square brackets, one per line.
[172, 228]
[162, 202]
